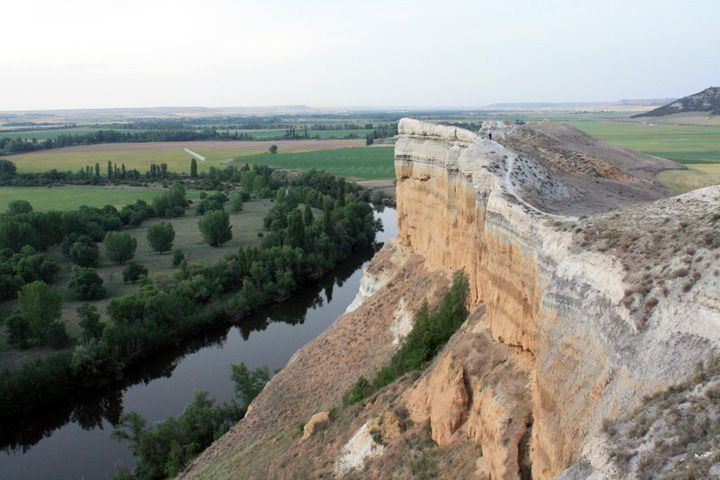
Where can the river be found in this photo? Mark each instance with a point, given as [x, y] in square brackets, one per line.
[71, 442]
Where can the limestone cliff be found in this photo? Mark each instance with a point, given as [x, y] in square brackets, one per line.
[590, 290]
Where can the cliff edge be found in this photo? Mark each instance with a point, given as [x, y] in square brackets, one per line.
[593, 294]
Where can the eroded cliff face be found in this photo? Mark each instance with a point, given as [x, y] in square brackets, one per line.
[589, 354]
[573, 321]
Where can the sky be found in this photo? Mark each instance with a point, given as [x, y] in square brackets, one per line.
[223, 53]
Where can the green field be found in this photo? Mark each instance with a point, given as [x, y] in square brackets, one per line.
[245, 227]
[682, 143]
[42, 134]
[366, 163]
[72, 197]
[73, 159]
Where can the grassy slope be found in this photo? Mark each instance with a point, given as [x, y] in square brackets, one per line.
[246, 226]
[369, 163]
[72, 197]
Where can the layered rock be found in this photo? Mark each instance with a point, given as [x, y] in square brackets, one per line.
[583, 301]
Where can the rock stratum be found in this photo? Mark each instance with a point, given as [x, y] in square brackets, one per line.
[589, 351]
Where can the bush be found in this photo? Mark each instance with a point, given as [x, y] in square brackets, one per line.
[86, 284]
[18, 207]
[430, 333]
[90, 322]
[178, 257]
[160, 236]
[119, 246]
[85, 254]
[40, 308]
[236, 202]
[215, 227]
[133, 271]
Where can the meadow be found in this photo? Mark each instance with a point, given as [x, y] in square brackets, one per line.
[689, 144]
[72, 197]
[366, 163]
[245, 228]
[141, 155]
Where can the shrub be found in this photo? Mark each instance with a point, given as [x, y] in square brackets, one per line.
[18, 207]
[178, 257]
[215, 227]
[160, 236]
[119, 246]
[133, 271]
[236, 202]
[90, 322]
[85, 254]
[430, 333]
[40, 308]
[86, 284]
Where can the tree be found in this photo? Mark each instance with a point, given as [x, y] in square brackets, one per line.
[119, 246]
[17, 207]
[85, 254]
[273, 148]
[215, 227]
[40, 306]
[86, 284]
[296, 229]
[133, 271]
[309, 217]
[236, 202]
[248, 383]
[160, 236]
[178, 257]
[193, 167]
[97, 170]
[90, 322]
[109, 169]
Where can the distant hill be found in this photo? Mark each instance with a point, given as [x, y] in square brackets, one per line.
[707, 101]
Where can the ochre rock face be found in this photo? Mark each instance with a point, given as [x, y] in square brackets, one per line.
[573, 320]
[585, 356]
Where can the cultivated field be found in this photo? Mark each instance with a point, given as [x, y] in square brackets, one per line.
[367, 163]
[697, 175]
[72, 197]
[682, 143]
[245, 228]
[141, 155]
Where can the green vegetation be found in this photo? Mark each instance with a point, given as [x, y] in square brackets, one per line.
[165, 448]
[37, 321]
[697, 175]
[430, 333]
[367, 163]
[73, 197]
[172, 305]
[119, 246]
[682, 143]
[133, 271]
[160, 236]
[215, 227]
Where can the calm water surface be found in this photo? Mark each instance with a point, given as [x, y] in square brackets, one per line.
[73, 441]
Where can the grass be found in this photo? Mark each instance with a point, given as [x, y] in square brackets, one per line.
[73, 197]
[697, 175]
[77, 158]
[690, 144]
[246, 226]
[368, 163]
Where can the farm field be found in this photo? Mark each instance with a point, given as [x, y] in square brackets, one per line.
[682, 143]
[245, 228]
[42, 134]
[697, 175]
[141, 155]
[72, 197]
[366, 163]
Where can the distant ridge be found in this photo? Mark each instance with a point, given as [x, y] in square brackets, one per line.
[706, 101]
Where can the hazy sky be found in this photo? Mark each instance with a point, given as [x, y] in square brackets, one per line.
[133, 53]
